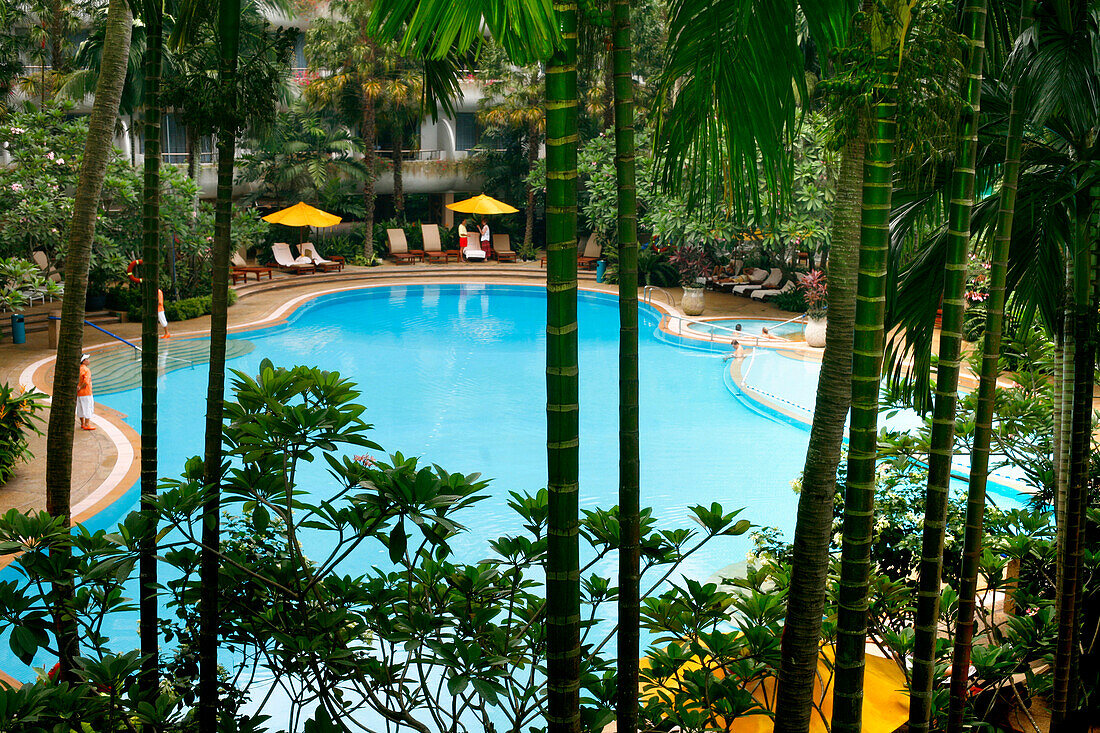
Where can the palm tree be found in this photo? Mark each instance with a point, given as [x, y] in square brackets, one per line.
[1047, 238]
[97, 151]
[514, 100]
[153, 15]
[400, 90]
[304, 155]
[859, 492]
[983, 420]
[563, 642]
[703, 130]
[814, 523]
[626, 708]
[947, 376]
[349, 52]
[229, 26]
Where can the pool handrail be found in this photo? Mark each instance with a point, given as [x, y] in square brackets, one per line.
[732, 332]
[647, 294]
[131, 344]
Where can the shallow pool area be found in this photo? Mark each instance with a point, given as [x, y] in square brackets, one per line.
[727, 328]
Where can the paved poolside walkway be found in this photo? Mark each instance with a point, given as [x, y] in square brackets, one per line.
[95, 453]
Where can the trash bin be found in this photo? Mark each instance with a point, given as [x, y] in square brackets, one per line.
[18, 329]
[601, 268]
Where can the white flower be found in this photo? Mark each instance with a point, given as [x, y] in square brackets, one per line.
[17, 131]
[17, 187]
[60, 161]
[50, 155]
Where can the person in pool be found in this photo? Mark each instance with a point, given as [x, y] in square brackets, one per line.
[737, 351]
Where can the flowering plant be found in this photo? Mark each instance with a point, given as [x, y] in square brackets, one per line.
[693, 262]
[815, 287]
[977, 280]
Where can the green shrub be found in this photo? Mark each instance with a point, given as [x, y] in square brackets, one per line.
[18, 417]
[182, 310]
[654, 268]
[792, 300]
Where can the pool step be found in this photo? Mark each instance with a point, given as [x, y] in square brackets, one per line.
[118, 369]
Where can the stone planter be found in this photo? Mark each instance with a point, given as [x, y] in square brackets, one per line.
[693, 301]
[815, 332]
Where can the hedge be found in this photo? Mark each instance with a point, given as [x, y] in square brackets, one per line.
[184, 310]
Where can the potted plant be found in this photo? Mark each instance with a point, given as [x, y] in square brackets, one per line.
[692, 262]
[815, 287]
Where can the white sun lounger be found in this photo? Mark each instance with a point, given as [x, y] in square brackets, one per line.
[769, 282]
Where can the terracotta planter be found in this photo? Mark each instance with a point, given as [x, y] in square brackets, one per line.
[693, 301]
[815, 332]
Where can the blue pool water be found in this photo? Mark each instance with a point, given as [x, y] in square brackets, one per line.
[720, 327]
[455, 374]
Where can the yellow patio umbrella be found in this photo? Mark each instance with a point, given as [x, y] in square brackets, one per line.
[482, 204]
[302, 214]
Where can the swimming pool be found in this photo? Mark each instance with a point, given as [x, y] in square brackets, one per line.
[455, 374]
[726, 327]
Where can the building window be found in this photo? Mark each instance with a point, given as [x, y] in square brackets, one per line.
[300, 53]
[173, 140]
[206, 149]
[466, 132]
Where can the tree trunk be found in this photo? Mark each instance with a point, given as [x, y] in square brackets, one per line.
[1064, 715]
[947, 377]
[563, 650]
[532, 161]
[814, 526]
[148, 625]
[626, 707]
[93, 169]
[398, 171]
[229, 26]
[192, 152]
[368, 131]
[859, 490]
[610, 94]
[983, 420]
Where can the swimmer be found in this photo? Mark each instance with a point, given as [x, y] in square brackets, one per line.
[737, 351]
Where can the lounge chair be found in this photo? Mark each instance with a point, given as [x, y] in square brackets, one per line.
[286, 262]
[593, 248]
[399, 247]
[772, 292]
[502, 248]
[433, 250]
[472, 250]
[241, 269]
[48, 271]
[770, 281]
[433, 243]
[309, 249]
[722, 277]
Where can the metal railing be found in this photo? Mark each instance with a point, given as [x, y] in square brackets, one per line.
[730, 332]
[647, 294]
[131, 344]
